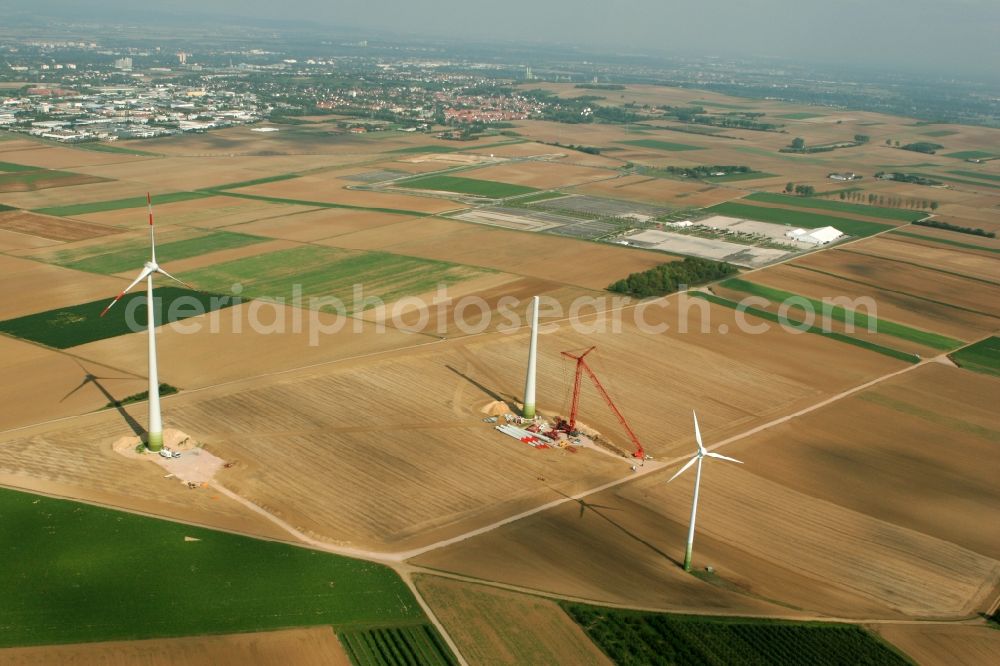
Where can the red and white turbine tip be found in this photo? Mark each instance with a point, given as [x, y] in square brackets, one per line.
[149, 206]
[117, 298]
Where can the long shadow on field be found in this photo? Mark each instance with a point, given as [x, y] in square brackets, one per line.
[490, 392]
[89, 378]
[584, 505]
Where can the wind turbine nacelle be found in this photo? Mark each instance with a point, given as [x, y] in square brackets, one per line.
[151, 265]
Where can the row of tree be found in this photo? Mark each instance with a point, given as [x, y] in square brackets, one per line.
[705, 171]
[802, 190]
[938, 224]
[668, 278]
[890, 202]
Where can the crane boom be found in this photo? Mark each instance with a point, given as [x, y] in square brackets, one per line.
[581, 365]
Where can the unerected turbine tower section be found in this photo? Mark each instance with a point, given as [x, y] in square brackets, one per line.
[529, 381]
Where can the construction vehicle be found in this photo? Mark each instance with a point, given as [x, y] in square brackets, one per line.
[569, 427]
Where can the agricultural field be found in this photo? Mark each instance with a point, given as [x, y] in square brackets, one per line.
[128, 255]
[838, 206]
[460, 185]
[971, 155]
[312, 647]
[275, 586]
[397, 646]
[361, 434]
[321, 272]
[798, 218]
[79, 324]
[656, 144]
[983, 356]
[631, 637]
[492, 625]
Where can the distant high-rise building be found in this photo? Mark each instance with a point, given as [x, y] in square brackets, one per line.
[182, 58]
[528, 76]
[123, 63]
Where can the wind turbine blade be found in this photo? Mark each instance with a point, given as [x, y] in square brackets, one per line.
[711, 454]
[683, 469]
[697, 432]
[181, 282]
[142, 276]
[82, 384]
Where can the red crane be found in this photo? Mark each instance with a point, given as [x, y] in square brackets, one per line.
[565, 426]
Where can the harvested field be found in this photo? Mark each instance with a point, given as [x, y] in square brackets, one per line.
[51, 228]
[541, 174]
[921, 313]
[12, 241]
[32, 286]
[956, 261]
[492, 626]
[578, 263]
[317, 646]
[201, 351]
[919, 235]
[323, 189]
[658, 191]
[317, 224]
[43, 156]
[204, 212]
[908, 279]
[141, 202]
[75, 194]
[37, 384]
[937, 645]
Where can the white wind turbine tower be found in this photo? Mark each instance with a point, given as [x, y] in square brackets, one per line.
[697, 458]
[155, 438]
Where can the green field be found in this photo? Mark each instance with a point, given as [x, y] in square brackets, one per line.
[11, 167]
[839, 206]
[79, 324]
[661, 145]
[797, 218]
[752, 175]
[720, 105]
[78, 573]
[818, 330]
[945, 241]
[316, 204]
[330, 272]
[971, 155]
[397, 646]
[121, 256]
[939, 133]
[965, 181]
[119, 204]
[541, 196]
[860, 320]
[984, 356]
[634, 638]
[459, 185]
[3, 207]
[801, 115]
[977, 174]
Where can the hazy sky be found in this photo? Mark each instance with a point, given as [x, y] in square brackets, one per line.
[943, 34]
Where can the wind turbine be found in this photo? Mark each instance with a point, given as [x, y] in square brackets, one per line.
[154, 438]
[697, 458]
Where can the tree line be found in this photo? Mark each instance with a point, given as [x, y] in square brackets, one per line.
[671, 277]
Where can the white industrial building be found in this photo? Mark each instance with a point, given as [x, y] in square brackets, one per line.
[820, 236]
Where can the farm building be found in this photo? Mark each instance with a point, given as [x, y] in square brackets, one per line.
[820, 236]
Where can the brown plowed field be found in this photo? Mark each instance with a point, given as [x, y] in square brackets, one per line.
[208, 212]
[317, 646]
[52, 228]
[938, 645]
[317, 224]
[493, 626]
[909, 279]
[912, 311]
[658, 190]
[953, 260]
